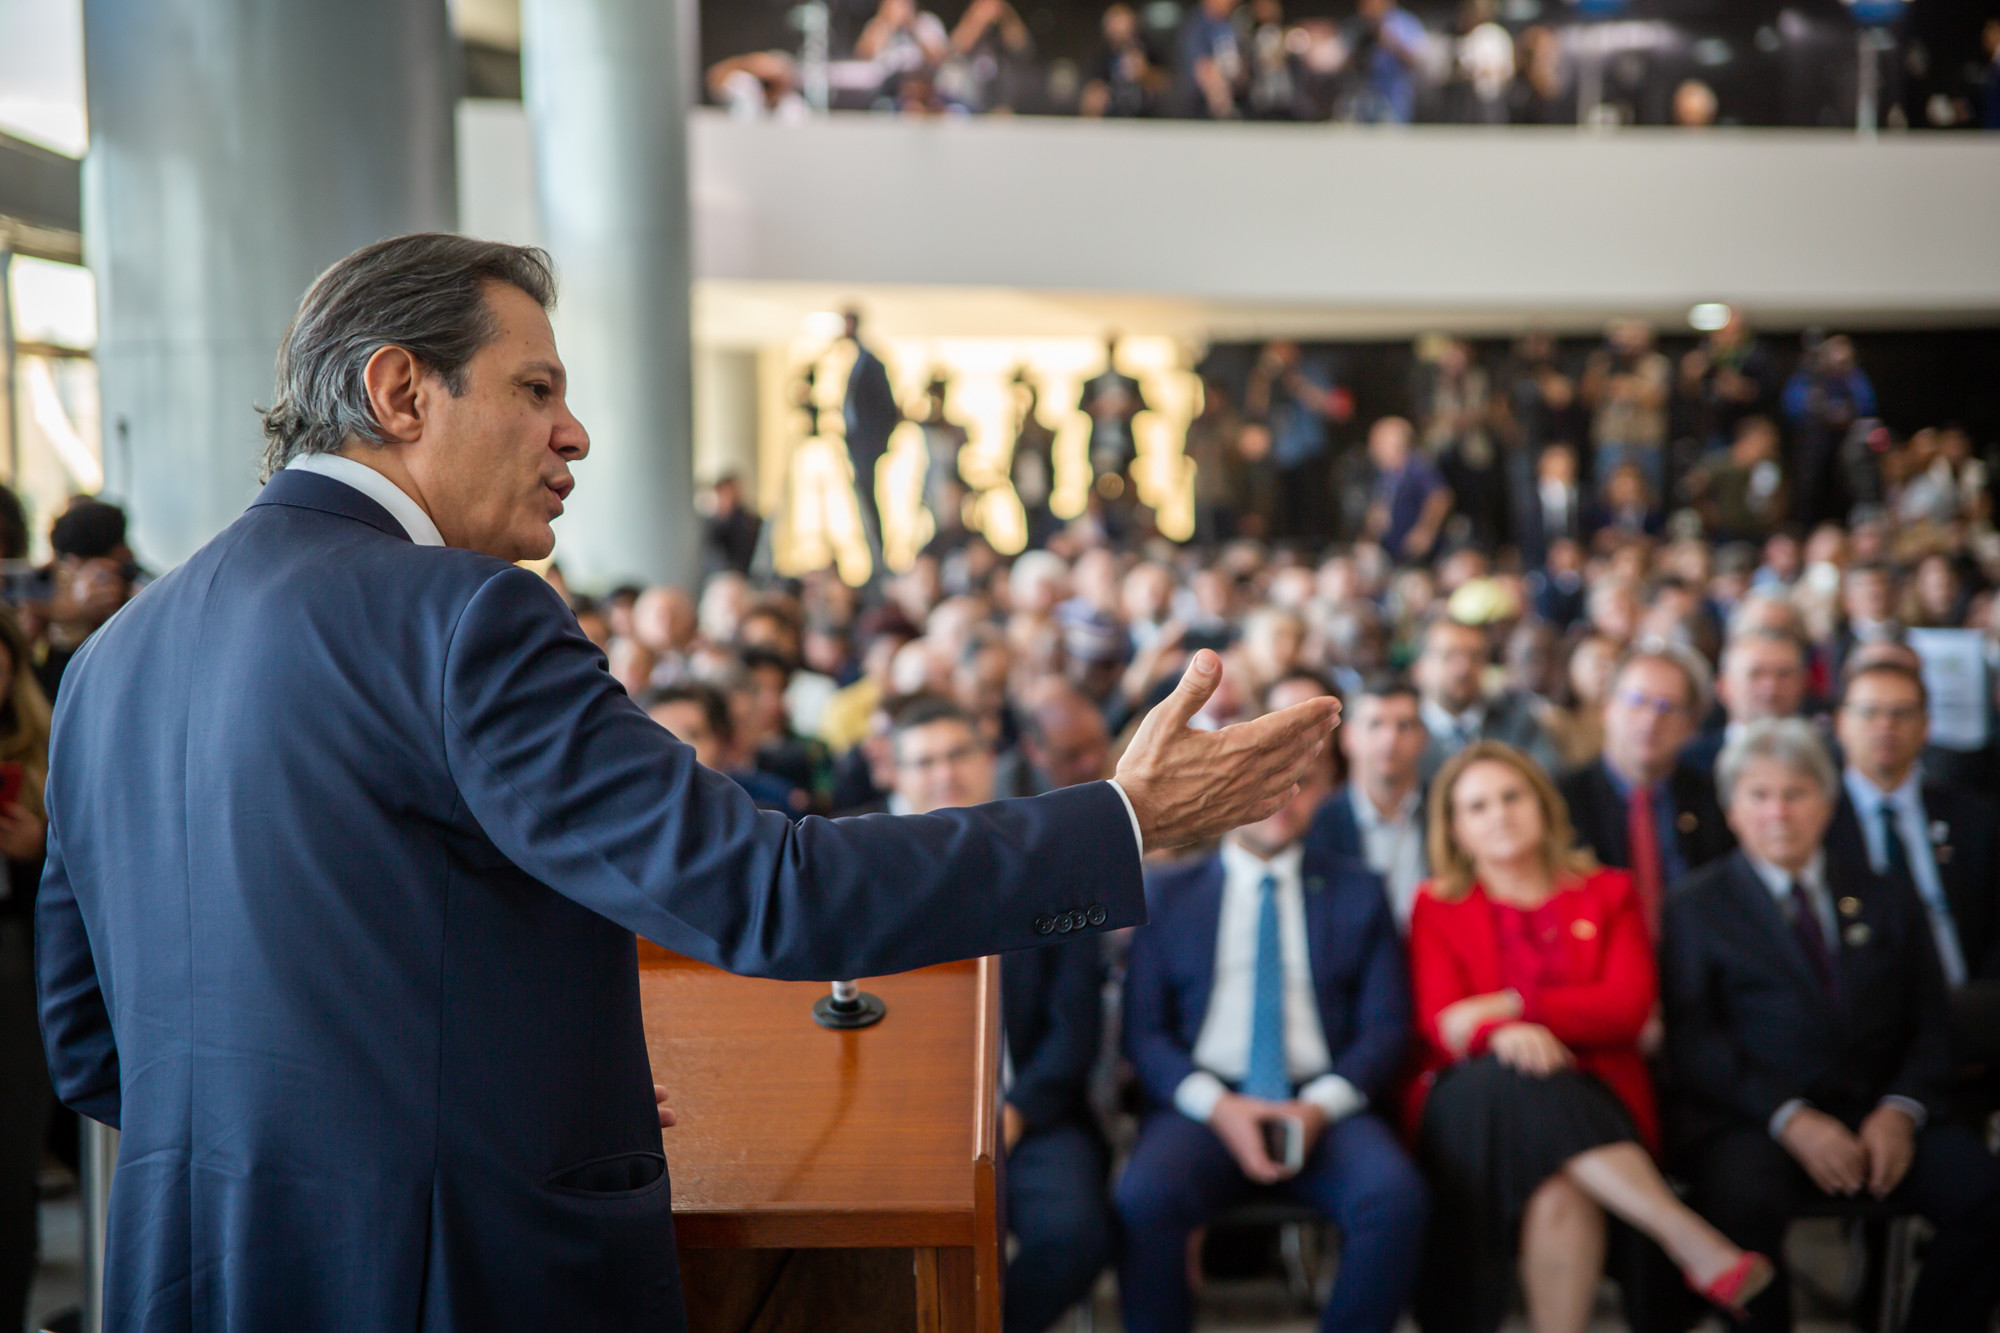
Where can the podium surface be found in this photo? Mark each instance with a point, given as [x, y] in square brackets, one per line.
[838, 1170]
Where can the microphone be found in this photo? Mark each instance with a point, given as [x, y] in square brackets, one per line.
[849, 1007]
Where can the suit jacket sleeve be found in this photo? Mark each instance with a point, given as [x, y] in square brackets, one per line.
[76, 1026]
[1151, 1042]
[580, 789]
[1049, 1082]
[1381, 1008]
[1611, 1010]
[1702, 1048]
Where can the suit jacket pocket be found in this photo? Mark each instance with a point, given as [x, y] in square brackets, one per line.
[621, 1176]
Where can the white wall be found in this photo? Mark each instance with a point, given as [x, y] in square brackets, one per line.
[1393, 226]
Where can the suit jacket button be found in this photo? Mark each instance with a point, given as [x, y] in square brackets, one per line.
[1045, 924]
[1066, 922]
[1097, 916]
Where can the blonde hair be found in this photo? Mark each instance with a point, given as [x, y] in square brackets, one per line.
[1452, 874]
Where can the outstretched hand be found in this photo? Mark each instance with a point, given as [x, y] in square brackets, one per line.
[1188, 786]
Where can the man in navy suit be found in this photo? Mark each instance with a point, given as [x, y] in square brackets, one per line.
[1271, 986]
[1377, 815]
[350, 830]
[1934, 837]
[1052, 1013]
[1763, 676]
[1807, 1036]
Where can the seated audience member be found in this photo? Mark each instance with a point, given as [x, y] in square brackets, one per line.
[1935, 837]
[1295, 687]
[1807, 1035]
[1063, 742]
[1534, 977]
[699, 715]
[764, 727]
[1449, 673]
[1640, 807]
[1049, 1005]
[1378, 816]
[1269, 984]
[1868, 613]
[1763, 676]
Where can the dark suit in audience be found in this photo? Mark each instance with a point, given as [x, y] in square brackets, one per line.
[1338, 830]
[1056, 1208]
[1600, 812]
[1180, 1175]
[1954, 856]
[1752, 1029]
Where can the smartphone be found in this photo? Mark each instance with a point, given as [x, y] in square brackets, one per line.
[1285, 1141]
[11, 775]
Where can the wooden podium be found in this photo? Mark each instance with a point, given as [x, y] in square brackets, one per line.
[827, 1180]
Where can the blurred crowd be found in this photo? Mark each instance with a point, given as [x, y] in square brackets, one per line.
[1649, 901]
[1250, 59]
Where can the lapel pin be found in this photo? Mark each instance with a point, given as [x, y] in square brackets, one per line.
[1858, 934]
[1850, 907]
[1583, 930]
[1940, 832]
[1685, 821]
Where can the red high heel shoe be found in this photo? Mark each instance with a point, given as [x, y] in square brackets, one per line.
[1737, 1285]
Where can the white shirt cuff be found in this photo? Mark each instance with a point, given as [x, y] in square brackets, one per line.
[1783, 1115]
[1334, 1095]
[1909, 1106]
[1197, 1095]
[1138, 838]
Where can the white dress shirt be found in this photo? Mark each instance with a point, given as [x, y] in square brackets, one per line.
[1812, 878]
[1393, 847]
[425, 533]
[1222, 1052]
[377, 488]
[1907, 802]
[1456, 730]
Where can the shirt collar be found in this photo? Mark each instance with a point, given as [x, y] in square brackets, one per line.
[377, 488]
[898, 805]
[1369, 818]
[1239, 862]
[1779, 882]
[1861, 789]
[1439, 721]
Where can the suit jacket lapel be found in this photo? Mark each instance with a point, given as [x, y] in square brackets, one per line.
[1203, 916]
[1758, 902]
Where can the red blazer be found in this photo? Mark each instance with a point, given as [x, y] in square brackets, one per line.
[1455, 953]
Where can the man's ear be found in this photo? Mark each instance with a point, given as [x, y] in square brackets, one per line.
[394, 379]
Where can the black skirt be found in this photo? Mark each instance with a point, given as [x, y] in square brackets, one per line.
[1490, 1137]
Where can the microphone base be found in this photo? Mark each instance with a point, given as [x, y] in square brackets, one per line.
[866, 1011]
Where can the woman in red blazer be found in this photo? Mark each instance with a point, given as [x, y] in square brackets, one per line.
[1534, 978]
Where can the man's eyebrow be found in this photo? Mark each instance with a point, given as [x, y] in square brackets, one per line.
[549, 368]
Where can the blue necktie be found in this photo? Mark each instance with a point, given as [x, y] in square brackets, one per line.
[1266, 1076]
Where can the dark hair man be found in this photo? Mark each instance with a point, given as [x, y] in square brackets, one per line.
[350, 832]
[1449, 673]
[1936, 837]
[1051, 1008]
[1639, 807]
[1377, 816]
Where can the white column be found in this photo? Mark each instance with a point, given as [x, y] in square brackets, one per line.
[606, 83]
[237, 148]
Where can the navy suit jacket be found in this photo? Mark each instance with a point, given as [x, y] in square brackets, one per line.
[1360, 976]
[1962, 825]
[1335, 829]
[348, 841]
[1052, 1006]
[1748, 1025]
[1599, 815]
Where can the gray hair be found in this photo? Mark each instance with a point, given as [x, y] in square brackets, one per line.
[1692, 666]
[425, 293]
[1791, 741]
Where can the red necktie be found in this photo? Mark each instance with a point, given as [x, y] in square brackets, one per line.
[1643, 838]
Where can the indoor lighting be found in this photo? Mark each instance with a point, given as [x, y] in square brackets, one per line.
[1708, 316]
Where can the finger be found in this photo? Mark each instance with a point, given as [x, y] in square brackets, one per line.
[667, 1118]
[1198, 683]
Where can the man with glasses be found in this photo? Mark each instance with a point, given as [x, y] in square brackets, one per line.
[1052, 1021]
[1763, 676]
[1934, 836]
[1640, 807]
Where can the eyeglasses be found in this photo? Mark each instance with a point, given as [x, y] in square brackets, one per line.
[1900, 714]
[1640, 699]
